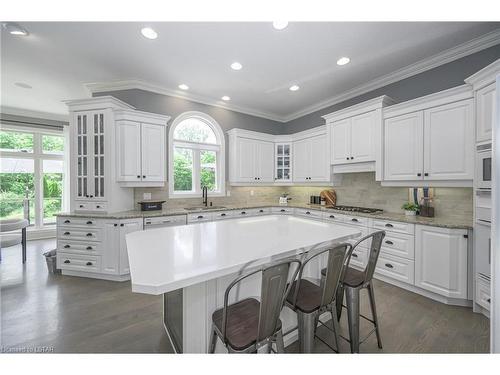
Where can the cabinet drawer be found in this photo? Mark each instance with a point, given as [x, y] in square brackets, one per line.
[223, 215]
[358, 258]
[79, 234]
[356, 220]
[77, 221]
[483, 293]
[78, 247]
[88, 263]
[199, 217]
[91, 206]
[282, 210]
[400, 245]
[331, 216]
[393, 226]
[313, 214]
[396, 268]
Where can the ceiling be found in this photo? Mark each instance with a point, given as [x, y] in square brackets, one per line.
[57, 59]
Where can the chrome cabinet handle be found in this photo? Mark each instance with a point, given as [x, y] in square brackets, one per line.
[388, 265]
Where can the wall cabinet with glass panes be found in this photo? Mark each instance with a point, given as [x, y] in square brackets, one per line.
[92, 156]
[283, 162]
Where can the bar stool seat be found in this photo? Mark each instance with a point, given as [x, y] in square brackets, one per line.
[242, 323]
[308, 296]
[352, 278]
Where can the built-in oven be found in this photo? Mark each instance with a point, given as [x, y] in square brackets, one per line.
[483, 168]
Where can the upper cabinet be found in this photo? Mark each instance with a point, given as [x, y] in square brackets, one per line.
[140, 149]
[310, 157]
[430, 139]
[355, 136]
[113, 146]
[484, 86]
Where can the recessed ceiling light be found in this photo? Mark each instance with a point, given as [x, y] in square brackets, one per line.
[226, 98]
[236, 66]
[280, 25]
[343, 61]
[183, 86]
[15, 29]
[23, 85]
[149, 33]
[294, 88]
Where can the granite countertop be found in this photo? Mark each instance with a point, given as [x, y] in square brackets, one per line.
[445, 222]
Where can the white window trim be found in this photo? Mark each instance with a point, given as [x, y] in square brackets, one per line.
[220, 159]
[38, 156]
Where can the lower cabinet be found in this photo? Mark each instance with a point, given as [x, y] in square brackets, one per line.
[114, 257]
[441, 261]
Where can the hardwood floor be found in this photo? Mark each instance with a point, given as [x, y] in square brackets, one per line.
[78, 315]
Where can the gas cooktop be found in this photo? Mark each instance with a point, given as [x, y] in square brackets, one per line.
[363, 210]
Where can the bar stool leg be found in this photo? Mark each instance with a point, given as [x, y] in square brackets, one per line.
[213, 340]
[336, 327]
[371, 294]
[339, 299]
[280, 344]
[23, 243]
[352, 299]
[307, 330]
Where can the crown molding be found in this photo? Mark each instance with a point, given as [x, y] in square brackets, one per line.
[485, 76]
[357, 109]
[130, 84]
[34, 114]
[468, 48]
[449, 55]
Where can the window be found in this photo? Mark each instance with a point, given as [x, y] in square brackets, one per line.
[31, 171]
[196, 156]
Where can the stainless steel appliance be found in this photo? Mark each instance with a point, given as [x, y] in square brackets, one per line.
[483, 167]
[363, 210]
[163, 221]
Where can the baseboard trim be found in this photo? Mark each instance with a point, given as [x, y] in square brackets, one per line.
[92, 275]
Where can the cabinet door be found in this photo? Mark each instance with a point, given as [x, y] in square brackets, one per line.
[485, 112]
[153, 152]
[110, 258]
[319, 167]
[99, 155]
[441, 261]
[246, 160]
[362, 137]
[128, 151]
[449, 142]
[301, 160]
[265, 159]
[126, 226]
[82, 154]
[340, 140]
[403, 147]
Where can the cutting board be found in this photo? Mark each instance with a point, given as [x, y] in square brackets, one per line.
[329, 196]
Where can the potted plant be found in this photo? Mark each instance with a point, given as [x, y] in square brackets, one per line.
[410, 208]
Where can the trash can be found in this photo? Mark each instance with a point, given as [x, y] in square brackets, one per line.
[50, 258]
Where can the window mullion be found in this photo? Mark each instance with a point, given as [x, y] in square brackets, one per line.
[38, 204]
[196, 171]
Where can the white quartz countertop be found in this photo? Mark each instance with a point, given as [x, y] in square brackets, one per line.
[165, 259]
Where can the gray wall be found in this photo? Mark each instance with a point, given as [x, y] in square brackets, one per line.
[441, 78]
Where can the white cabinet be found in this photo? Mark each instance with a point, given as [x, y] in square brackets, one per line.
[253, 160]
[424, 141]
[403, 151]
[140, 153]
[352, 139]
[449, 142]
[485, 112]
[114, 257]
[441, 261]
[283, 162]
[310, 159]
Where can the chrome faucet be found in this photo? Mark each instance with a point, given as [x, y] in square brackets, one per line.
[204, 194]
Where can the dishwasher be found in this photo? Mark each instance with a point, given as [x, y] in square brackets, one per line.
[164, 221]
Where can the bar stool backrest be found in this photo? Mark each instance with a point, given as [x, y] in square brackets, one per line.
[375, 245]
[338, 260]
[275, 286]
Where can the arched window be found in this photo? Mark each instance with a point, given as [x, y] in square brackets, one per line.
[196, 156]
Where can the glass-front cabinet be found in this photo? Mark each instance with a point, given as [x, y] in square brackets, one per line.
[283, 160]
[90, 154]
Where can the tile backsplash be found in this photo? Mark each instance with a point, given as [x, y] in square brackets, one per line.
[356, 189]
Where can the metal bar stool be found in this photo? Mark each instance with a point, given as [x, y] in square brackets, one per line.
[248, 325]
[11, 239]
[353, 281]
[310, 300]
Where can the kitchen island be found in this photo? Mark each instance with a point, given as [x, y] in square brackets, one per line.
[192, 265]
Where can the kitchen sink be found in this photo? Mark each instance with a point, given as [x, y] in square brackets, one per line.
[197, 208]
